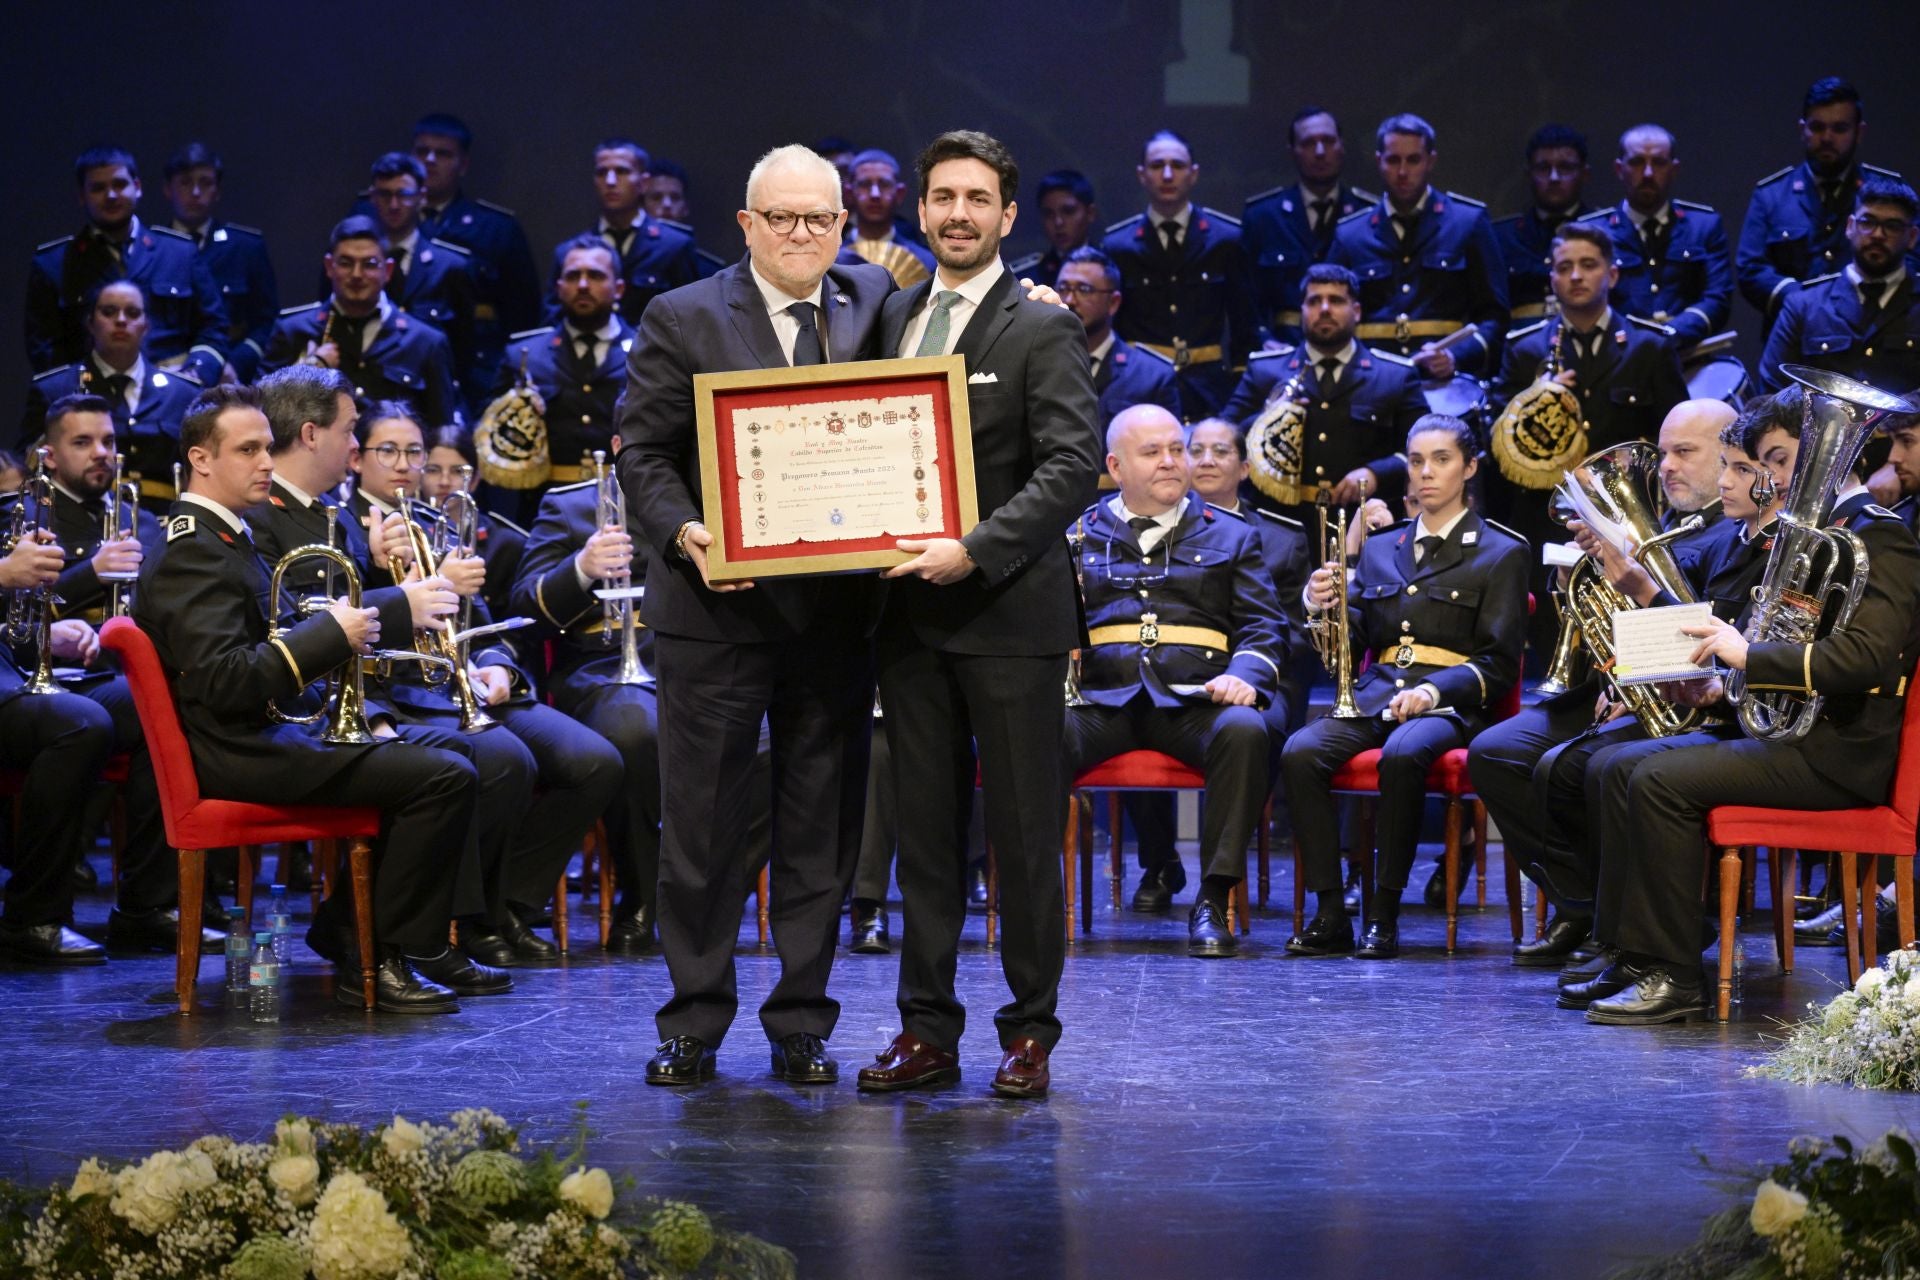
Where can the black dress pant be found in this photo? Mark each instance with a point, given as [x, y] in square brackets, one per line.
[577, 774]
[1502, 759]
[1313, 755]
[149, 871]
[1612, 826]
[1228, 744]
[628, 716]
[59, 741]
[815, 695]
[506, 772]
[1153, 815]
[940, 707]
[1667, 799]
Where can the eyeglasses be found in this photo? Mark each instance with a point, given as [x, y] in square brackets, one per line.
[781, 221]
[398, 197]
[1080, 287]
[1894, 228]
[391, 453]
[363, 266]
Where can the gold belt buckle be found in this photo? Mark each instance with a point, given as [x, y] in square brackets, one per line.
[1401, 333]
[1181, 356]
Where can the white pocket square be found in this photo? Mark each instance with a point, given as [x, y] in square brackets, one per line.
[982, 377]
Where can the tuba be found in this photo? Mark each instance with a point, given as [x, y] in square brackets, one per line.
[347, 726]
[1815, 575]
[1541, 431]
[1276, 445]
[1331, 630]
[120, 520]
[511, 438]
[1620, 482]
[616, 601]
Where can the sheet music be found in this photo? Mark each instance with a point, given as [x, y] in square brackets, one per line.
[1648, 645]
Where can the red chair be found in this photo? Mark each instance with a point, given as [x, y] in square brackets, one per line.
[1448, 779]
[1885, 830]
[195, 824]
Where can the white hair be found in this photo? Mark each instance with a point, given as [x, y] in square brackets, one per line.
[795, 158]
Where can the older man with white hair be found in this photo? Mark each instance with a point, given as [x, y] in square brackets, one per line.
[796, 651]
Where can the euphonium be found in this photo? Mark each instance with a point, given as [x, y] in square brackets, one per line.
[443, 655]
[1620, 482]
[121, 519]
[1563, 667]
[1815, 575]
[30, 609]
[345, 689]
[1276, 444]
[617, 614]
[1331, 630]
[1541, 431]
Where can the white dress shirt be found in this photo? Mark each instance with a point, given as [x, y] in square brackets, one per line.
[971, 293]
[136, 379]
[785, 327]
[1163, 524]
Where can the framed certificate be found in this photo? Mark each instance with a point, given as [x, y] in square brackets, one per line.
[820, 469]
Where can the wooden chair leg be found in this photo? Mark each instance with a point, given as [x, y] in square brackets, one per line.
[360, 871]
[1070, 862]
[605, 884]
[1869, 911]
[760, 901]
[1476, 834]
[560, 938]
[993, 897]
[1748, 873]
[1729, 924]
[1237, 900]
[244, 859]
[1850, 912]
[186, 956]
[1785, 876]
[1116, 866]
[116, 837]
[1516, 918]
[1264, 844]
[1903, 901]
[1453, 873]
[1085, 860]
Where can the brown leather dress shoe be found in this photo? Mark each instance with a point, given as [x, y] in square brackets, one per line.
[1023, 1072]
[909, 1063]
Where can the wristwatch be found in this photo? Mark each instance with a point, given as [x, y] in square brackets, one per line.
[680, 538]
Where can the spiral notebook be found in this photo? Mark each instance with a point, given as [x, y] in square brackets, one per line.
[1649, 646]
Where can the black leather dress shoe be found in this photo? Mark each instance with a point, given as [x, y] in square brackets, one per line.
[1562, 935]
[1823, 930]
[49, 944]
[529, 948]
[1611, 981]
[153, 931]
[802, 1059]
[1659, 995]
[682, 1060]
[1157, 887]
[1435, 894]
[1578, 971]
[1208, 936]
[85, 878]
[396, 988]
[867, 930]
[462, 976]
[1381, 941]
[1323, 936]
[632, 935]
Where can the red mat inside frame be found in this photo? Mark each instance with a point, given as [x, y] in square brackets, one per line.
[727, 405]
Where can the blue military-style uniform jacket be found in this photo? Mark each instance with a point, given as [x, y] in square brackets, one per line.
[1527, 241]
[1199, 605]
[1457, 620]
[1131, 375]
[243, 271]
[1824, 323]
[659, 256]
[586, 652]
[185, 316]
[149, 436]
[1448, 271]
[408, 360]
[1281, 243]
[579, 401]
[78, 526]
[1195, 305]
[1689, 286]
[1625, 388]
[1791, 236]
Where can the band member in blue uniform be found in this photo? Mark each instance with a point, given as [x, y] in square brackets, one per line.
[873, 192]
[1796, 225]
[1863, 321]
[1441, 600]
[1123, 374]
[1185, 270]
[654, 256]
[1675, 266]
[431, 279]
[1428, 261]
[1290, 228]
[236, 256]
[1557, 177]
[189, 323]
[498, 540]
[1069, 219]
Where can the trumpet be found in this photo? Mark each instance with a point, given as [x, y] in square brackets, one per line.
[30, 609]
[616, 599]
[120, 520]
[1331, 630]
[345, 688]
[445, 656]
[312, 355]
[458, 529]
[1076, 542]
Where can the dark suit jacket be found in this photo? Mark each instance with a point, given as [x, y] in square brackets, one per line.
[1281, 244]
[185, 316]
[720, 325]
[1036, 463]
[243, 270]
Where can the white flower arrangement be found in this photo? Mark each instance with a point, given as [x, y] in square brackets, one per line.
[405, 1201]
[1869, 1036]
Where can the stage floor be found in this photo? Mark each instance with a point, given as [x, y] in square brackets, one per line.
[1255, 1117]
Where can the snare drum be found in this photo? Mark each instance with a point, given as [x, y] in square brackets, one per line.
[1721, 378]
[1462, 396]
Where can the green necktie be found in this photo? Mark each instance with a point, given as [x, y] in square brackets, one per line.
[934, 341]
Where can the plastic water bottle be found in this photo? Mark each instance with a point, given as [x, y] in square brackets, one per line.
[1739, 966]
[263, 980]
[280, 924]
[237, 953]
